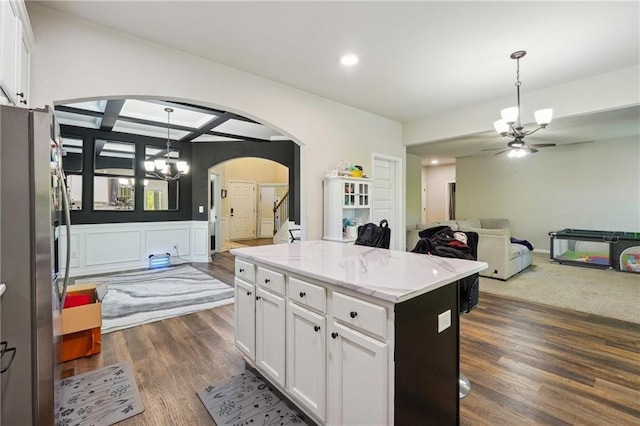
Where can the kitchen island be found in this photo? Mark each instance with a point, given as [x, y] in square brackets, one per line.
[353, 334]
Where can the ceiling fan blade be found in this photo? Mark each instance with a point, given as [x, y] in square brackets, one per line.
[530, 150]
[541, 145]
[502, 152]
[493, 149]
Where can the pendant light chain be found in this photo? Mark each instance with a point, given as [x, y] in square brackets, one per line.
[169, 111]
[518, 83]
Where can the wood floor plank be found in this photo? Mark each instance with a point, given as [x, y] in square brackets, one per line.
[528, 363]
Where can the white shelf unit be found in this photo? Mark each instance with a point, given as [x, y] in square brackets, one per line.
[348, 198]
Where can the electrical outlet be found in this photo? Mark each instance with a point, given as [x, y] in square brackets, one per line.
[444, 321]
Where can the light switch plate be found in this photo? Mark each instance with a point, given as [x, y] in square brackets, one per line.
[200, 209]
[444, 321]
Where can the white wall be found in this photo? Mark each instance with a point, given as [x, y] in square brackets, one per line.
[76, 59]
[435, 179]
[583, 186]
[111, 247]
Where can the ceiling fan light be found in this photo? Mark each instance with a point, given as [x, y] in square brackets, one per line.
[520, 153]
[501, 127]
[509, 115]
[543, 116]
[149, 166]
[512, 153]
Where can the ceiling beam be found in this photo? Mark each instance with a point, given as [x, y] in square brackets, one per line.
[111, 113]
[242, 138]
[206, 127]
[157, 124]
[203, 109]
[73, 110]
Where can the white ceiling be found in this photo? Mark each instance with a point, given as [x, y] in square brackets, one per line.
[416, 58]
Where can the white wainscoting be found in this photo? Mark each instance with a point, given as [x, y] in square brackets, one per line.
[112, 247]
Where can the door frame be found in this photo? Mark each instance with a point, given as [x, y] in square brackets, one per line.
[447, 200]
[217, 201]
[398, 235]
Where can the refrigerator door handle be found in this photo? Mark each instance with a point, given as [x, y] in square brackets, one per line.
[67, 221]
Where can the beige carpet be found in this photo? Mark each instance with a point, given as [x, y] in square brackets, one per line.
[607, 293]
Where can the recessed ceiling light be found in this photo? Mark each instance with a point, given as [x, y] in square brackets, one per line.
[349, 60]
[434, 161]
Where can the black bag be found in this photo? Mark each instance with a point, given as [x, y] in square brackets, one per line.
[373, 235]
[469, 288]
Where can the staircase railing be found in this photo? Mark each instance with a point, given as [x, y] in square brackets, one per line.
[281, 213]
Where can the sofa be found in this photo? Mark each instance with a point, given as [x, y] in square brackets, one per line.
[504, 258]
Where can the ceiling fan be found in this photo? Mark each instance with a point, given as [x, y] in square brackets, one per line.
[518, 148]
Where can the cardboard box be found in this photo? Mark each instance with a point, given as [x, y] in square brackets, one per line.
[81, 325]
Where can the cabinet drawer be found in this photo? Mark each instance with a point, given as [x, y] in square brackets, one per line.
[360, 314]
[308, 294]
[245, 271]
[271, 280]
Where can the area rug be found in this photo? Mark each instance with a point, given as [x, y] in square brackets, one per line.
[141, 297]
[247, 400]
[98, 398]
[612, 294]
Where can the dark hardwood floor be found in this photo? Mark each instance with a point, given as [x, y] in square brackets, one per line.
[528, 363]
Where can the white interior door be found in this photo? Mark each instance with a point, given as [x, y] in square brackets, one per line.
[387, 196]
[241, 210]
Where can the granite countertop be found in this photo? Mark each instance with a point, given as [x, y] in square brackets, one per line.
[390, 275]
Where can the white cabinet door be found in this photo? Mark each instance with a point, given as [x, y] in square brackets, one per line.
[270, 335]
[10, 29]
[306, 347]
[358, 377]
[245, 318]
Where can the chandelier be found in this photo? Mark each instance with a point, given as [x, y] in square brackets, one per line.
[511, 126]
[162, 167]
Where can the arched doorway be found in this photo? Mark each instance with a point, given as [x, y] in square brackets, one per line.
[203, 136]
[243, 192]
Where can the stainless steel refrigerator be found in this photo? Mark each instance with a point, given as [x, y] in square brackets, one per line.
[31, 199]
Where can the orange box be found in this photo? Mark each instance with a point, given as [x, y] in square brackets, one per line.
[81, 325]
[79, 344]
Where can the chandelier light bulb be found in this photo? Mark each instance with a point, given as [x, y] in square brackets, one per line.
[149, 166]
[182, 166]
[543, 116]
[501, 127]
[509, 115]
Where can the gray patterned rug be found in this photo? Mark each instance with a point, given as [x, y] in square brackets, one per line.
[247, 400]
[141, 297]
[98, 398]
